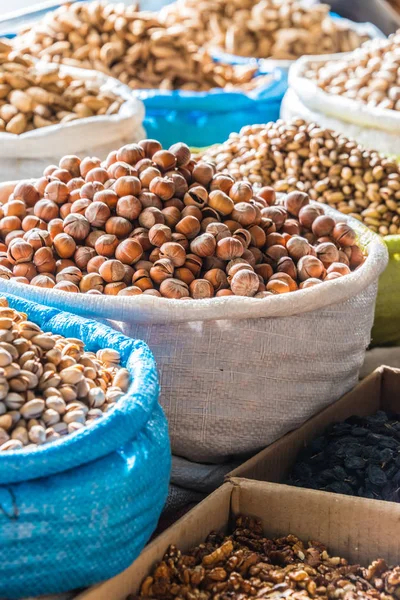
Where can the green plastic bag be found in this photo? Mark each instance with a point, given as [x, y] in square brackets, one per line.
[386, 330]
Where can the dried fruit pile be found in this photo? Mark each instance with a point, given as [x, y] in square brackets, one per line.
[246, 564]
[31, 98]
[329, 167]
[370, 75]
[49, 385]
[153, 221]
[280, 29]
[359, 457]
[133, 46]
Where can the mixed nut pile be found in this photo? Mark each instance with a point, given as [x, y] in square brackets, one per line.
[370, 74]
[49, 385]
[326, 165]
[31, 97]
[359, 457]
[153, 221]
[246, 564]
[280, 29]
[133, 46]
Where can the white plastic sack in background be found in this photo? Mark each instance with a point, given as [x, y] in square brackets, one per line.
[238, 373]
[373, 127]
[26, 155]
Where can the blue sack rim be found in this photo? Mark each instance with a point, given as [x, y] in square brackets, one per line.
[128, 417]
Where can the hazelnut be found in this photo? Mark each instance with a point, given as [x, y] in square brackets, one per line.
[164, 160]
[188, 226]
[291, 226]
[46, 210]
[203, 173]
[72, 274]
[27, 193]
[27, 270]
[344, 235]
[150, 147]
[15, 208]
[221, 202]
[277, 214]
[130, 153]
[244, 237]
[77, 226]
[55, 227]
[97, 214]
[106, 245]
[184, 274]
[118, 226]
[163, 187]
[175, 252]
[275, 239]
[286, 265]
[159, 234]
[245, 283]
[278, 286]
[161, 270]
[224, 293]
[268, 194]
[120, 169]
[108, 197]
[276, 252]
[338, 267]
[172, 216]
[150, 216]
[297, 247]
[112, 270]
[182, 154]
[98, 174]
[94, 264]
[241, 192]
[131, 291]
[308, 214]
[129, 207]
[201, 288]
[327, 253]
[323, 226]
[64, 245]
[309, 283]
[19, 251]
[44, 260]
[71, 163]
[114, 288]
[196, 196]
[295, 201]
[309, 266]
[82, 256]
[229, 248]
[264, 270]
[57, 191]
[244, 213]
[193, 263]
[174, 288]
[222, 182]
[217, 278]
[129, 251]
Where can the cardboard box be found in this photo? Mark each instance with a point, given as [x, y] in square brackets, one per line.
[358, 529]
[380, 390]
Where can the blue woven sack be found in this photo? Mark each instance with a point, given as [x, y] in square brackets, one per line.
[80, 510]
[204, 118]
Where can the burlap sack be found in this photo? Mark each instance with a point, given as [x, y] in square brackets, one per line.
[237, 373]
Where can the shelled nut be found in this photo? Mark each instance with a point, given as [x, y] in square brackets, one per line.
[326, 165]
[31, 98]
[49, 383]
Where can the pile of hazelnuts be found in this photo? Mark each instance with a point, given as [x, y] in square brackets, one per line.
[153, 221]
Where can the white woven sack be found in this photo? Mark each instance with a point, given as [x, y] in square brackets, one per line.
[237, 373]
[26, 155]
[373, 127]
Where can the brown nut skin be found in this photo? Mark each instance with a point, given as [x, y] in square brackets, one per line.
[64, 245]
[19, 251]
[273, 239]
[26, 192]
[131, 153]
[224, 293]
[149, 147]
[221, 202]
[77, 226]
[223, 182]
[184, 274]
[244, 213]
[27, 270]
[201, 288]
[277, 214]
[132, 290]
[332, 275]
[114, 288]
[42, 281]
[193, 263]
[308, 214]
[127, 186]
[129, 251]
[141, 279]
[45, 210]
[268, 194]
[258, 236]
[355, 255]
[217, 278]
[106, 245]
[71, 163]
[43, 260]
[97, 213]
[55, 227]
[128, 207]
[196, 196]
[323, 226]
[174, 288]
[118, 226]
[309, 283]
[287, 279]
[245, 283]
[82, 256]
[163, 187]
[192, 211]
[291, 226]
[338, 267]
[203, 173]
[241, 191]
[295, 201]
[286, 265]
[188, 226]
[91, 281]
[264, 270]
[164, 160]
[57, 191]
[159, 234]
[161, 270]
[175, 252]
[112, 270]
[298, 247]
[275, 253]
[150, 216]
[15, 208]
[327, 253]
[244, 237]
[278, 286]
[182, 154]
[310, 266]
[344, 235]
[204, 245]
[229, 248]
[172, 216]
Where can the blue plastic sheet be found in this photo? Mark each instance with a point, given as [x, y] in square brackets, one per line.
[203, 118]
[81, 509]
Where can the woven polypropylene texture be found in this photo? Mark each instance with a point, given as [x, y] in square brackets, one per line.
[81, 509]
